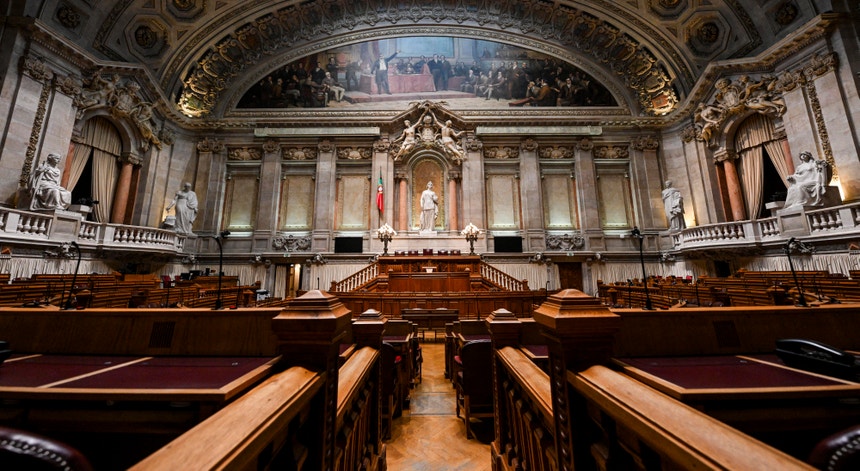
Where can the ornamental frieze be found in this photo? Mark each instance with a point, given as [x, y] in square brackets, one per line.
[355, 153]
[301, 153]
[244, 153]
[292, 243]
[501, 152]
[556, 152]
[611, 152]
[564, 242]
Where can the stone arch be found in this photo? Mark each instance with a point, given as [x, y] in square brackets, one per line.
[635, 65]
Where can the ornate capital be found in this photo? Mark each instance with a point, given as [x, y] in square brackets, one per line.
[271, 146]
[35, 68]
[530, 145]
[819, 65]
[326, 146]
[381, 145]
[209, 145]
[724, 155]
[585, 144]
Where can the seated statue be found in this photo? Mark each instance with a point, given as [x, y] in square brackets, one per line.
[808, 183]
[45, 189]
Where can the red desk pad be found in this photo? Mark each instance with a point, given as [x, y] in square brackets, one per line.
[125, 372]
[39, 370]
[732, 377]
[173, 373]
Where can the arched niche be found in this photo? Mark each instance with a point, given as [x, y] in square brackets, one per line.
[428, 166]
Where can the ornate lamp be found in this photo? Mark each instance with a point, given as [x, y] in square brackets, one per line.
[471, 233]
[385, 233]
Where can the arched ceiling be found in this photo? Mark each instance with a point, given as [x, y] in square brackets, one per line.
[205, 53]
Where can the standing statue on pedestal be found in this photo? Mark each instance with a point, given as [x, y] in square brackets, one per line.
[673, 204]
[185, 202]
[429, 208]
[808, 183]
[45, 189]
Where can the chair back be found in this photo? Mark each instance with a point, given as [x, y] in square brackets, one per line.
[20, 449]
[477, 371]
[389, 358]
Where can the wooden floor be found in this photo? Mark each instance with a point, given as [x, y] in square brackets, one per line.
[429, 435]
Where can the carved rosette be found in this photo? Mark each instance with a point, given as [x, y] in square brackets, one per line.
[556, 152]
[355, 153]
[244, 153]
[301, 153]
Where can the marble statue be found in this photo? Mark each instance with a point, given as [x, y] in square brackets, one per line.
[673, 204]
[807, 184]
[429, 208]
[185, 202]
[45, 189]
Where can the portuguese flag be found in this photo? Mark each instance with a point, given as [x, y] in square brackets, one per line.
[380, 200]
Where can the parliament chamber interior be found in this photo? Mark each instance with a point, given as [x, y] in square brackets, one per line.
[458, 234]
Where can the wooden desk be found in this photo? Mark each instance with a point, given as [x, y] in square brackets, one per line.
[112, 393]
[430, 319]
[757, 394]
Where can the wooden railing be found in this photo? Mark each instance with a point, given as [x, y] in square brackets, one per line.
[501, 279]
[357, 280]
[581, 414]
[267, 425]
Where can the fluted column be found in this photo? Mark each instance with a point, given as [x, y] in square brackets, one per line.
[402, 201]
[453, 177]
[733, 184]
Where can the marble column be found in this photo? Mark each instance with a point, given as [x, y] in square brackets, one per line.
[270, 184]
[733, 185]
[326, 192]
[402, 201]
[453, 177]
[121, 195]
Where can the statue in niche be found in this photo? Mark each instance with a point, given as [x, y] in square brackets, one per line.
[429, 209]
[808, 183]
[185, 202]
[45, 189]
[673, 204]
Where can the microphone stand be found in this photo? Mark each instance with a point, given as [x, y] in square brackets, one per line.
[68, 303]
[218, 239]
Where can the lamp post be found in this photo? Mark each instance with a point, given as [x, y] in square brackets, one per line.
[385, 233]
[802, 248]
[471, 233]
[219, 238]
[638, 235]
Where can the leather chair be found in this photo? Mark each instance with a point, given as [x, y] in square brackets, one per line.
[20, 449]
[474, 381]
[838, 452]
[390, 387]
